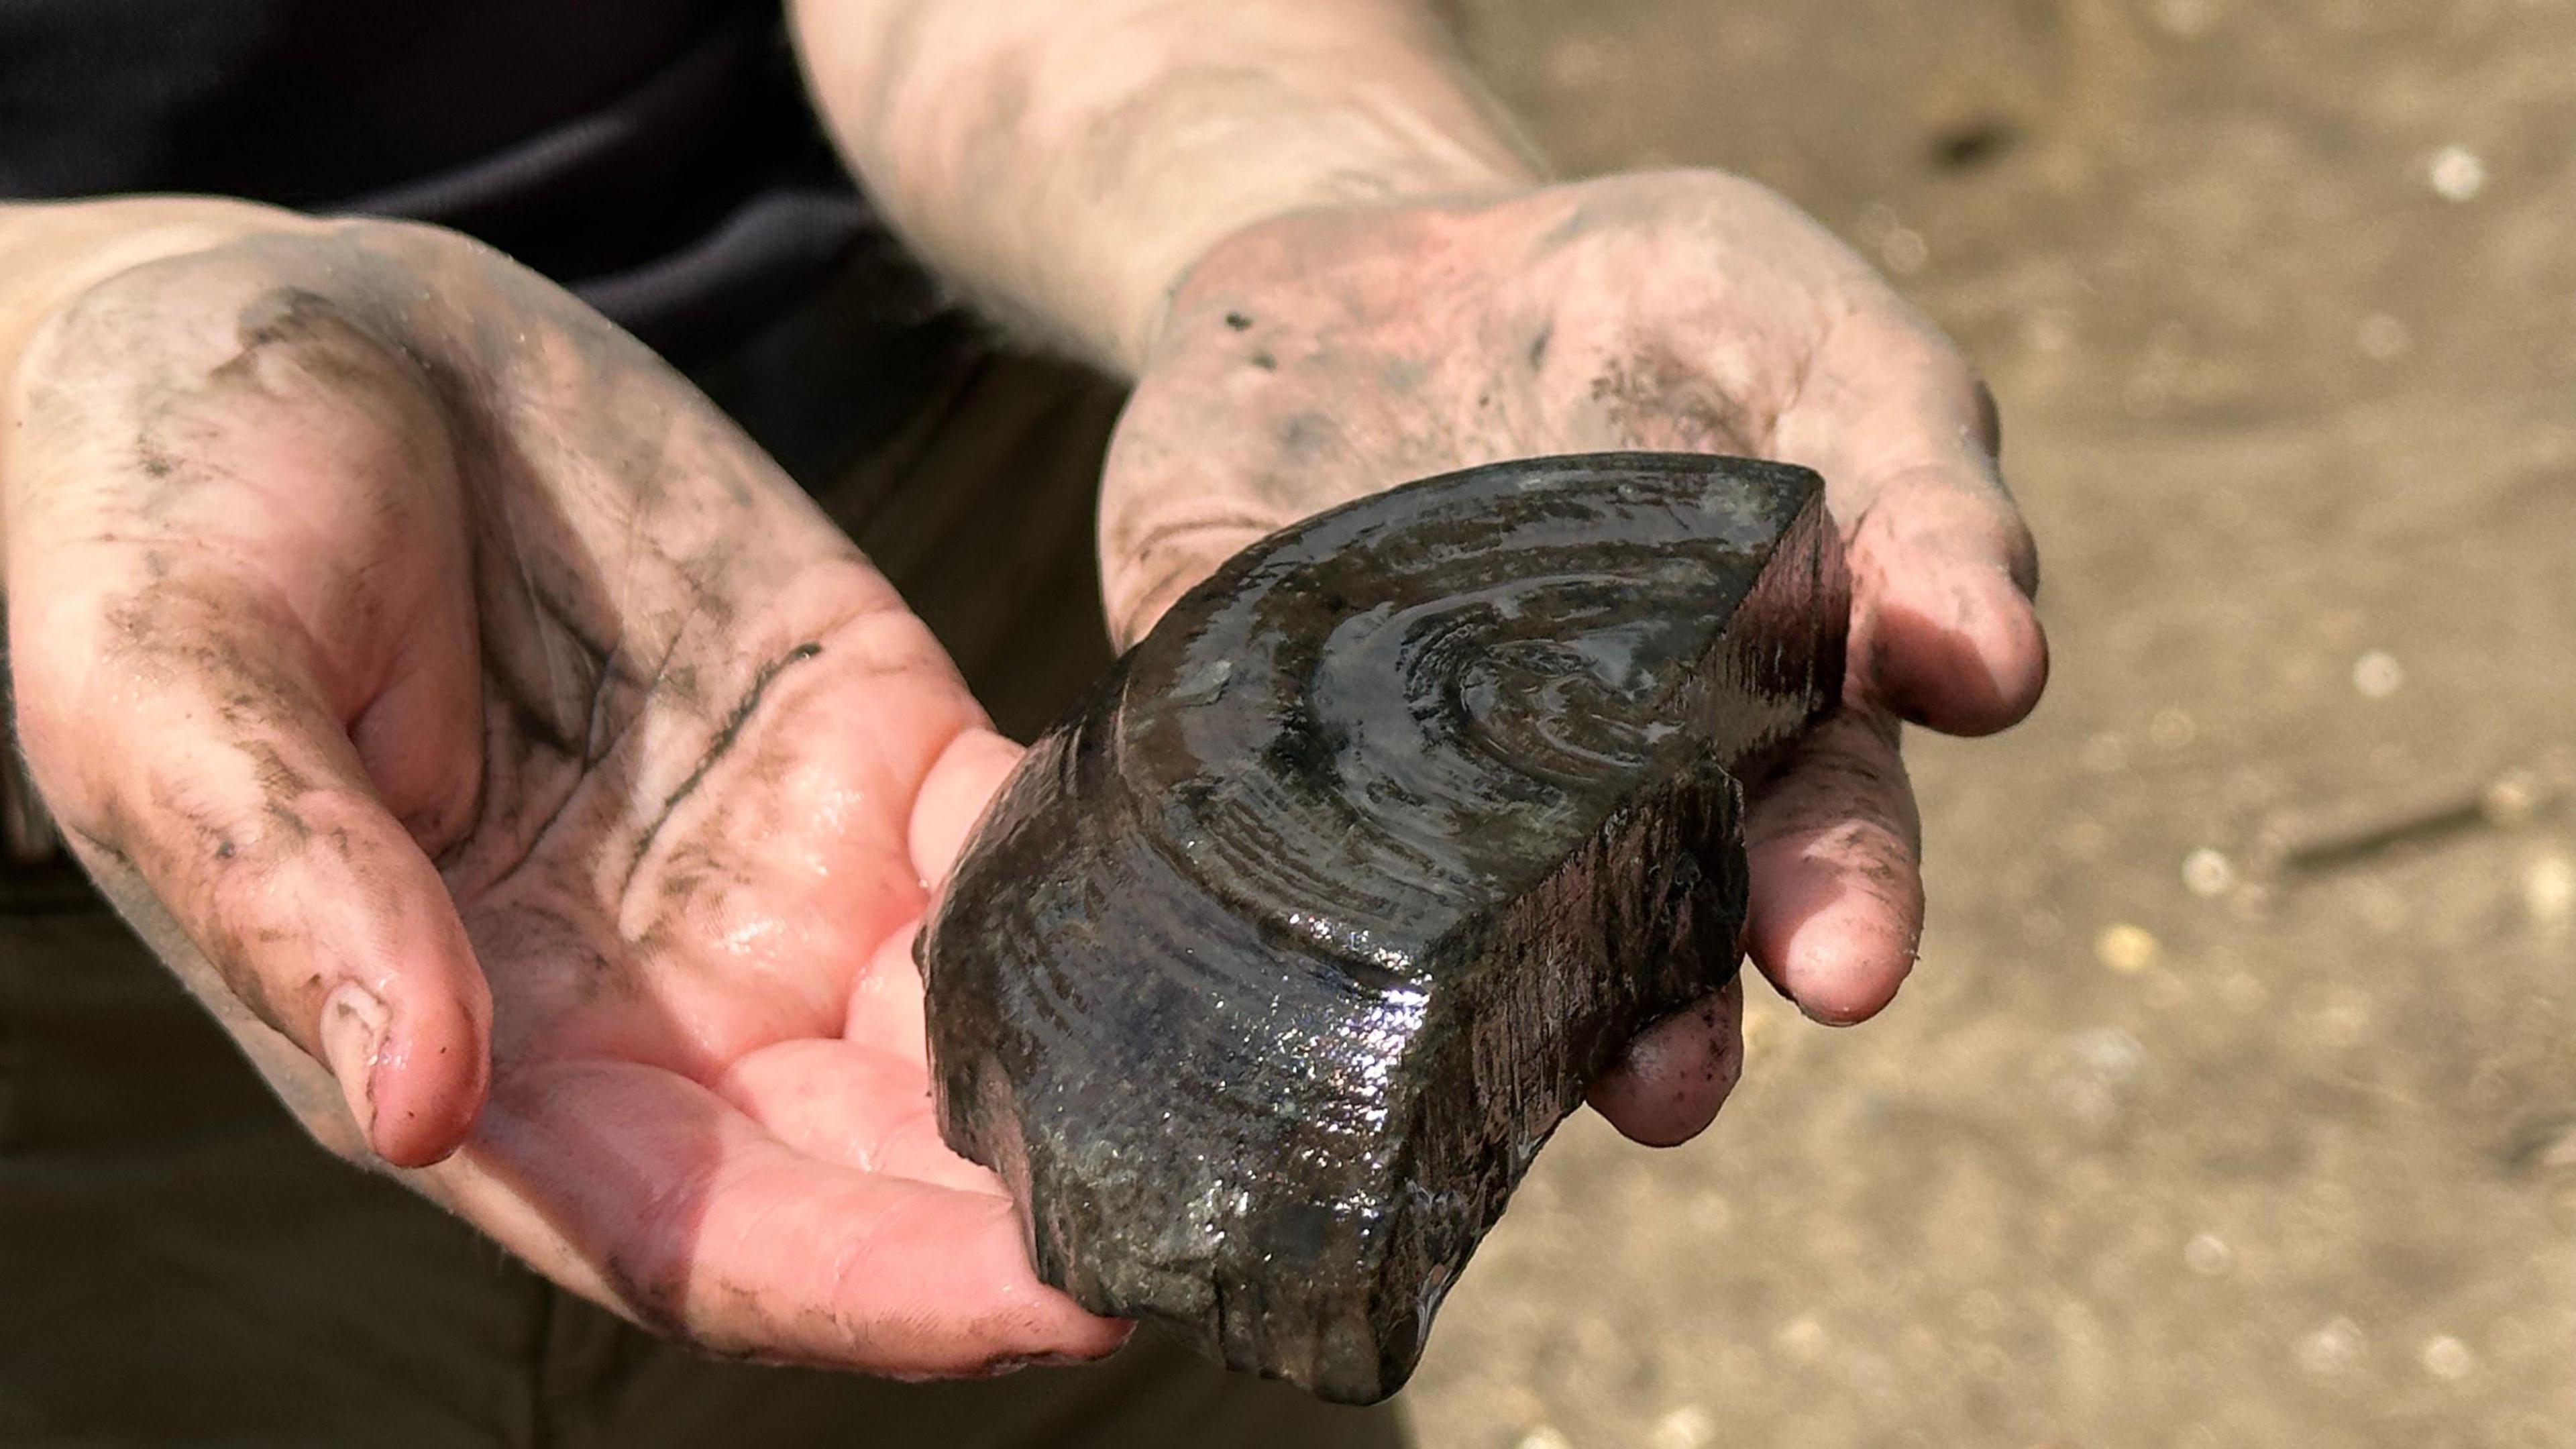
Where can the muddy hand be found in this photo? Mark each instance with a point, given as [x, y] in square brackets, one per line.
[1322, 355]
[537, 785]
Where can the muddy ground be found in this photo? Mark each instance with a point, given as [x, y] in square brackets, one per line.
[2235, 1100]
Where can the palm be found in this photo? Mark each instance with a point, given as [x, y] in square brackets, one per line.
[708, 1075]
[1331, 354]
[525, 695]
[1328, 354]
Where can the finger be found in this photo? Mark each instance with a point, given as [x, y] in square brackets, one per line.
[1943, 631]
[1669, 1083]
[953, 794]
[703, 1225]
[853, 1105]
[1943, 568]
[189, 748]
[887, 1013]
[1833, 843]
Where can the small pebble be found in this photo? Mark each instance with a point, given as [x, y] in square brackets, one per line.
[2549, 890]
[2208, 874]
[2514, 800]
[2125, 948]
[1904, 251]
[2172, 729]
[1545, 1436]
[2106, 754]
[1802, 1339]
[2447, 1358]
[2108, 1052]
[2208, 1255]
[1521, 1404]
[2334, 1348]
[2457, 173]
[2089, 1100]
[2344, 1023]
[2377, 674]
[1688, 1427]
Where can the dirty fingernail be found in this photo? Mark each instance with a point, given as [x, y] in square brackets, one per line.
[353, 1033]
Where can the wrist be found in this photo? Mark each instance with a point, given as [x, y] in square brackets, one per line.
[1418, 170]
[1066, 163]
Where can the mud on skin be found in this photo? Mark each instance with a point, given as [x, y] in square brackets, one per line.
[334, 334]
[389, 623]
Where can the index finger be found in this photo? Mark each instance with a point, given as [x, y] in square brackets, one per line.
[1944, 570]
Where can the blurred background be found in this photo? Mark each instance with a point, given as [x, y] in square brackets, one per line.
[2234, 1102]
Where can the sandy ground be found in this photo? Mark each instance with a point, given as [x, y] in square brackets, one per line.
[2172, 1141]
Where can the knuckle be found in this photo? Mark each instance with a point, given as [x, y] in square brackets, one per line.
[397, 233]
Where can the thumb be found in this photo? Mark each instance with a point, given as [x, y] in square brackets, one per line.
[183, 739]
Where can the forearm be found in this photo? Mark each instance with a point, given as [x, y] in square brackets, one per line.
[1066, 160]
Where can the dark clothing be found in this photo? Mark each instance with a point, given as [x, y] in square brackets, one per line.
[656, 156]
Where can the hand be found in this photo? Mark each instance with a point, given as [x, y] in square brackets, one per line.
[505, 749]
[1326, 354]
